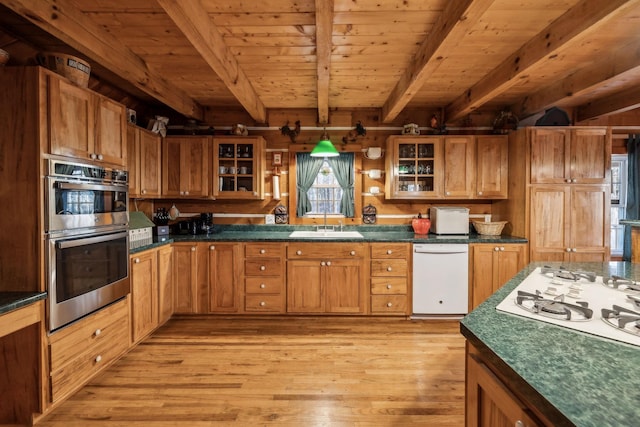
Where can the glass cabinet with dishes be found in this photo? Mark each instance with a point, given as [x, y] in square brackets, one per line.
[414, 167]
[238, 167]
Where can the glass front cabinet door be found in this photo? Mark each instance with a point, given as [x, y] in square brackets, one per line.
[238, 167]
[415, 167]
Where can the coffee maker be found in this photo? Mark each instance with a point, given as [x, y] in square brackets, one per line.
[206, 223]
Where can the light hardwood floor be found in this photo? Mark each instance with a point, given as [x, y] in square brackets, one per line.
[286, 371]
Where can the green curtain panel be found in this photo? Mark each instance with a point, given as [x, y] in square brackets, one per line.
[343, 170]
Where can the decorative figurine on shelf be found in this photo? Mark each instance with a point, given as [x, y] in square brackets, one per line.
[504, 122]
[291, 133]
[281, 214]
[369, 214]
[239, 130]
[436, 127]
[353, 134]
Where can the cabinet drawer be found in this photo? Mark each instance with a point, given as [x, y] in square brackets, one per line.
[79, 370]
[389, 304]
[389, 267]
[263, 285]
[326, 250]
[390, 250]
[80, 337]
[388, 285]
[265, 303]
[264, 250]
[263, 267]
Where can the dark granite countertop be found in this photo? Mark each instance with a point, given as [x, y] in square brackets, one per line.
[371, 233]
[574, 378]
[10, 301]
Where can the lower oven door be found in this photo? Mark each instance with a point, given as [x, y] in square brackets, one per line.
[85, 273]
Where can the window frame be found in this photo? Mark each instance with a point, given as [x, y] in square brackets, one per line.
[357, 188]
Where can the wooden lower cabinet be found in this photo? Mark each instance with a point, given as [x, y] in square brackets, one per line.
[185, 277]
[264, 278]
[84, 348]
[390, 278]
[327, 278]
[490, 402]
[151, 290]
[491, 265]
[223, 276]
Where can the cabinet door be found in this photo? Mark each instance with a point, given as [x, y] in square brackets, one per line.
[72, 119]
[111, 122]
[185, 166]
[238, 168]
[590, 223]
[414, 167]
[144, 294]
[550, 159]
[223, 277]
[590, 156]
[304, 286]
[185, 280]
[150, 164]
[492, 167]
[165, 283]
[550, 223]
[482, 273]
[490, 403]
[343, 286]
[459, 167]
[511, 259]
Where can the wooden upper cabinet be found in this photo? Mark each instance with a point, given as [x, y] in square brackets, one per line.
[414, 167]
[144, 151]
[238, 167]
[85, 125]
[570, 156]
[492, 166]
[459, 167]
[185, 164]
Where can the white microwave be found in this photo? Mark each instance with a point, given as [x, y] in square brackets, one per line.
[449, 220]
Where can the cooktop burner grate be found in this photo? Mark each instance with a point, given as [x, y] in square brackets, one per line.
[566, 274]
[621, 284]
[555, 308]
[623, 319]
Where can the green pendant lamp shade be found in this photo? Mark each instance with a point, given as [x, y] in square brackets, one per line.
[324, 148]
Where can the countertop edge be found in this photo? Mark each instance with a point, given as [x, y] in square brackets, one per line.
[10, 301]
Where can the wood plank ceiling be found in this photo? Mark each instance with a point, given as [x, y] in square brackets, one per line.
[455, 56]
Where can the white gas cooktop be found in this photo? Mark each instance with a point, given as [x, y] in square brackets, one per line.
[608, 307]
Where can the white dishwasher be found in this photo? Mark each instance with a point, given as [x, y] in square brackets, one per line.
[440, 278]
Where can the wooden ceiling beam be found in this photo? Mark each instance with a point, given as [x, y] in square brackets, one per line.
[62, 19]
[194, 22]
[452, 25]
[588, 15]
[621, 65]
[324, 32]
[613, 104]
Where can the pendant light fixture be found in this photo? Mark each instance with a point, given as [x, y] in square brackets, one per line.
[324, 147]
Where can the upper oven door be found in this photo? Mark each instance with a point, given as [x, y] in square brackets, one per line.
[74, 205]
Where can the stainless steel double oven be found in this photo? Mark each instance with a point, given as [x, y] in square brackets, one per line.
[87, 250]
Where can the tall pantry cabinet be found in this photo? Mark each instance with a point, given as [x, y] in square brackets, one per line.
[559, 192]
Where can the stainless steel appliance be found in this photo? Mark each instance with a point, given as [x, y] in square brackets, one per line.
[87, 250]
[608, 307]
[440, 278]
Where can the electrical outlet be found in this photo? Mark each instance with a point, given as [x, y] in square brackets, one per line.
[270, 219]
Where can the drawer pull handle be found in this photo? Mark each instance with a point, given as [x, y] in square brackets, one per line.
[389, 304]
[262, 303]
[97, 332]
[98, 359]
[263, 251]
[262, 286]
[389, 251]
[353, 253]
[263, 268]
[298, 252]
[389, 268]
[389, 286]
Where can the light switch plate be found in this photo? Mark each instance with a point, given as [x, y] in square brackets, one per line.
[270, 219]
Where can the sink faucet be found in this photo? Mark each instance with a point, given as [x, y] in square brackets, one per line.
[325, 220]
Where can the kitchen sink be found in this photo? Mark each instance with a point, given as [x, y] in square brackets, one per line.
[325, 234]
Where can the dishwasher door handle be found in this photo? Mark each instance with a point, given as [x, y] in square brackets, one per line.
[441, 252]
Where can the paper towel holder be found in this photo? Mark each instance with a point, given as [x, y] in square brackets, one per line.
[373, 153]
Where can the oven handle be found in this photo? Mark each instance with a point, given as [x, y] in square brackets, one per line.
[75, 186]
[89, 240]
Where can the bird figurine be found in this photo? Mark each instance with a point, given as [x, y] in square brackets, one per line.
[291, 133]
